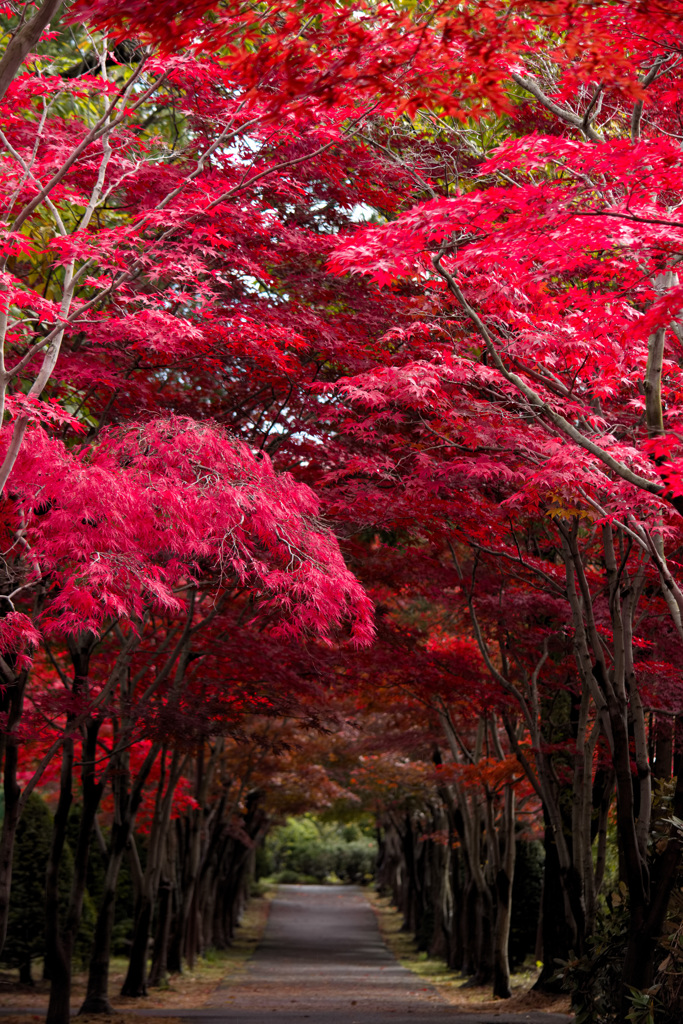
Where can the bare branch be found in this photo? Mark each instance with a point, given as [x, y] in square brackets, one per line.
[564, 114]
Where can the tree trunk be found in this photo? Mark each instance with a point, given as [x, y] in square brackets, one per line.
[61, 948]
[664, 741]
[127, 805]
[59, 942]
[504, 879]
[161, 959]
[97, 993]
[135, 983]
[191, 940]
[455, 941]
[555, 934]
[443, 897]
[159, 971]
[221, 917]
[647, 921]
[57, 947]
[483, 937]
[24, 41]
[25, 975]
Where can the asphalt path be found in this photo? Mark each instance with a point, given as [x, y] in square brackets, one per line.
[322, 961]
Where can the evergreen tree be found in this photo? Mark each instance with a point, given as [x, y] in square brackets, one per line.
[26, 924]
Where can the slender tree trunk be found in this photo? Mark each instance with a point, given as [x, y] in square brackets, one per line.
[91, 795]
[25, 974]
[483, 917]
[556, 938]
[168, 903]
[175, 946]
[135, 983]
[193, 850]
[97, 993]
[443, 900]
[504, 879]
[220, 924]
[469, 927]
[455, 939]
[57, 946]
[158, 971]
[191, 939]
[59, 942]
[664, 740]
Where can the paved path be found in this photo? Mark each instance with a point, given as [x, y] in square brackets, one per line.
[322, 961]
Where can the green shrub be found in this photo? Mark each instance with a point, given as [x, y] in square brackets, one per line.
[595, 979]
[356, 860]
[309, 849]
[289, 877]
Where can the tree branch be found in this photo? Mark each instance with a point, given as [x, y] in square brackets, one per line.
[24, 41]
[535, 400]
[564, 114]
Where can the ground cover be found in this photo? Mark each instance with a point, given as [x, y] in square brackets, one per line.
[450, 985]
[189, 990]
